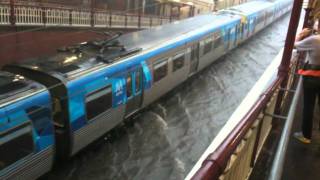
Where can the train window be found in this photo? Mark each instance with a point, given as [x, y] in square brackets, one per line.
[207, 47]
[217, 43]
[178, 62]
[138, 80]
[194, 53]
[160, 70]
[17, 141]
[98, 102]
[129, 85]
[40, 117]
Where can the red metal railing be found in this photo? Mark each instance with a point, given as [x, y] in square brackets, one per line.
[214, 165]
[216, 162]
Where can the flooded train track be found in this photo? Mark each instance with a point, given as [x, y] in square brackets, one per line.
[167, 138]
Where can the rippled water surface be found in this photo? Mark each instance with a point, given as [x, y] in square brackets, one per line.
[166, 140]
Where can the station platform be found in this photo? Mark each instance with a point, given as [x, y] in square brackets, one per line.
[302, 161]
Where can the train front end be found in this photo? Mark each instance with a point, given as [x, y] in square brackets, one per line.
[26, 129]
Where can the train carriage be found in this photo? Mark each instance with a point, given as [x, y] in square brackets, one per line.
[26, 131]
[91, 87]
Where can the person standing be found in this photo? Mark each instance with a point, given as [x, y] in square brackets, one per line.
[310, 43]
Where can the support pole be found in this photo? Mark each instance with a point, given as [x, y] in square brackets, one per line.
[288, 47]
[292, 30]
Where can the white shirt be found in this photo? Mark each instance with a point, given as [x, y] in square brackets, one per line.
[310, 44]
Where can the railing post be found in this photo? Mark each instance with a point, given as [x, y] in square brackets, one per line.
[92, 13]
[44, 16]
[12, 13]
[70, 17]
[256, 144]
[287, 53]
[110, 18]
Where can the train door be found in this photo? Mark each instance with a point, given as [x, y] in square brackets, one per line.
[233, 36]
[194, 60]
[228, 38]
[134, 91]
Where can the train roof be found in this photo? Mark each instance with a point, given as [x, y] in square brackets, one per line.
[13, 87]
[82, 57]
[251, 8]
[85, 56]
[153, 37]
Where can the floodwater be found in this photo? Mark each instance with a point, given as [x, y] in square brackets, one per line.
[167, 138]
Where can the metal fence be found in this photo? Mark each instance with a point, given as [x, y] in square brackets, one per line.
[31, 15]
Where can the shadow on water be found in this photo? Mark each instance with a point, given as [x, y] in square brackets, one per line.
[166, 139]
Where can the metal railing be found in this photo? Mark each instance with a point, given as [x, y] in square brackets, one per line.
[247, 129]
[236, 154]
[32, 15]
[278, 163]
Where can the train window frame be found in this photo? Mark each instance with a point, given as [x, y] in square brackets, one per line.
[37, 114]
[129, 87]
[96, 95]
[218, 42]
[193, 53]
[139, 85]
[160, 65]
[180, 57]
[22, 132]
[207, 46]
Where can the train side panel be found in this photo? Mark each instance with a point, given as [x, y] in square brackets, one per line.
[97, 104]
[26, 138]
[168, 70]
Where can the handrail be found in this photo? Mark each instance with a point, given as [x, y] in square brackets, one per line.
[278, 163]
[215, 159]
[215, 164]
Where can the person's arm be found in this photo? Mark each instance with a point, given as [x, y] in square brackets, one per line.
[306, 44]
[303, 34]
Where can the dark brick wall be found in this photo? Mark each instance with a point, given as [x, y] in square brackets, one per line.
[17, 47]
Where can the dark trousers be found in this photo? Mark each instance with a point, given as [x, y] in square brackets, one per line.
[311, 88]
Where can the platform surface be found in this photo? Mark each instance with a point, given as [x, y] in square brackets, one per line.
[303, 160]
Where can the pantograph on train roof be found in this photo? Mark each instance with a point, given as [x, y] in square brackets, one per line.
[71, 60]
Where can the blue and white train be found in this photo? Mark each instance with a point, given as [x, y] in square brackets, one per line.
[53, 107]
